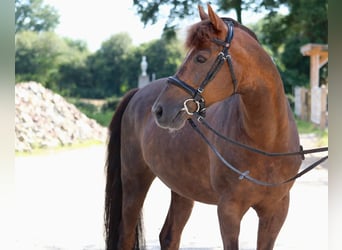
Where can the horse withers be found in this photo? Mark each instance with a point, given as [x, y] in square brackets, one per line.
[230, 81]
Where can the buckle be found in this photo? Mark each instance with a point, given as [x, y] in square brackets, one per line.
[186, 108]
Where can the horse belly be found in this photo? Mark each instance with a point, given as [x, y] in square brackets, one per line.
[181, 161]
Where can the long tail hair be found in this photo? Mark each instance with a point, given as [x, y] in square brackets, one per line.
[113, 192]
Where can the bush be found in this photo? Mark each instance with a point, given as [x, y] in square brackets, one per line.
[101, 114]
[102, 117]
[86, 107]
[111, 104]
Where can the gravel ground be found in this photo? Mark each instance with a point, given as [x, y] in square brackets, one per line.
[59, 205]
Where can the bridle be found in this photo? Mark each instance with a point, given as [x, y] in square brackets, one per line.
[199, 113]
[222, 57]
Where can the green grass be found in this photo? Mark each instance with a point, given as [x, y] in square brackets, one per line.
[102, 114]
[44, 151]
[102, 117]
[305, 127]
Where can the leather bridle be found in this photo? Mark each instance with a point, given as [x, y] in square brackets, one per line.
[196, 94]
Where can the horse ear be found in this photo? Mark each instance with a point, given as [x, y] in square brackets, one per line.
[202, 14]
[216, 20]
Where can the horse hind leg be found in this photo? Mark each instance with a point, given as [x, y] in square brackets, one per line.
[271, 219]
[178, 215]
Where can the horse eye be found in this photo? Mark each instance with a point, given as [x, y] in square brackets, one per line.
[200, 59]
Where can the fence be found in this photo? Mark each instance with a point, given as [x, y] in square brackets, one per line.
[312, 105]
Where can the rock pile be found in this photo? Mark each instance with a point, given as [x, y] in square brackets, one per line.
[44, 119]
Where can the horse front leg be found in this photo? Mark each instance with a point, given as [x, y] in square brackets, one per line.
[272, 216]
[230, 213]
[178, 215]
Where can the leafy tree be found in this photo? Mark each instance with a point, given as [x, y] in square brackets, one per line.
[106, 66]
[252, 5]
[115, 67]
[57, 63]
[66, 65]
[281, 35]
[33, 15]
[307, 22]
[37, 56]
[73, 71]
[164, 57]
[149, 10]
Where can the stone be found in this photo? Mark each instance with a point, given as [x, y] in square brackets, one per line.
[44, 119]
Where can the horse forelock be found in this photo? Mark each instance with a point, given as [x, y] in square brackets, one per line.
[201, 33]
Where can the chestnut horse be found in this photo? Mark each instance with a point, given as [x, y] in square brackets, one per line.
[230, 81]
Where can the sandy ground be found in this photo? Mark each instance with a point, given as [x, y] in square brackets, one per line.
[59, 205]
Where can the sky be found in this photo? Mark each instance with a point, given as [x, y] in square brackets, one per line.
[96, 21]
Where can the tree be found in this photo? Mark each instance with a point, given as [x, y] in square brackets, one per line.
[58, 63]
[149, 10]
[307, 22]
[281, 35]
[37, 56]
[33, 15]
[115, 67]
[106, 65]
[164, 56]
[73, 73]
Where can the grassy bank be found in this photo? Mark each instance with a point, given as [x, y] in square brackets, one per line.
[103, 116]
[100, 110]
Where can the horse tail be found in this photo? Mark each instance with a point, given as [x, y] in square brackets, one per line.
[113, 191]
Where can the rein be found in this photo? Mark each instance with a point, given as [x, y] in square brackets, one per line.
[255, 150]
[245, 175]
[200, 111]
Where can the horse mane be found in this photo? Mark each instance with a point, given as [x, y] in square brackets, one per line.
[243, 27]
[200, 33]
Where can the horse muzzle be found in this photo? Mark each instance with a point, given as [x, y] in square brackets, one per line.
[193, 105]
[167, 118]
[170, 113]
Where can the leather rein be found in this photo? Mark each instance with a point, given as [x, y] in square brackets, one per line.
[200, 111]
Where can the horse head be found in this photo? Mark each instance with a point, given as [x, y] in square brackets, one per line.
[207, 75]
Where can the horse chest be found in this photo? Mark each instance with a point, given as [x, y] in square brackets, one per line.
[181, 162]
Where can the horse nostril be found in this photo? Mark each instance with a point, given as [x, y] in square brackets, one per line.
[158, 112]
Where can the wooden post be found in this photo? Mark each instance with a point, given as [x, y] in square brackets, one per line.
[323, 122]
[301, 103]
[314, 70]
[318, 57]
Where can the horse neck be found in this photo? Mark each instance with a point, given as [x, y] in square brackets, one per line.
[264, 110]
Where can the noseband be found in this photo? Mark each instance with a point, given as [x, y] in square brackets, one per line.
[196, 94]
